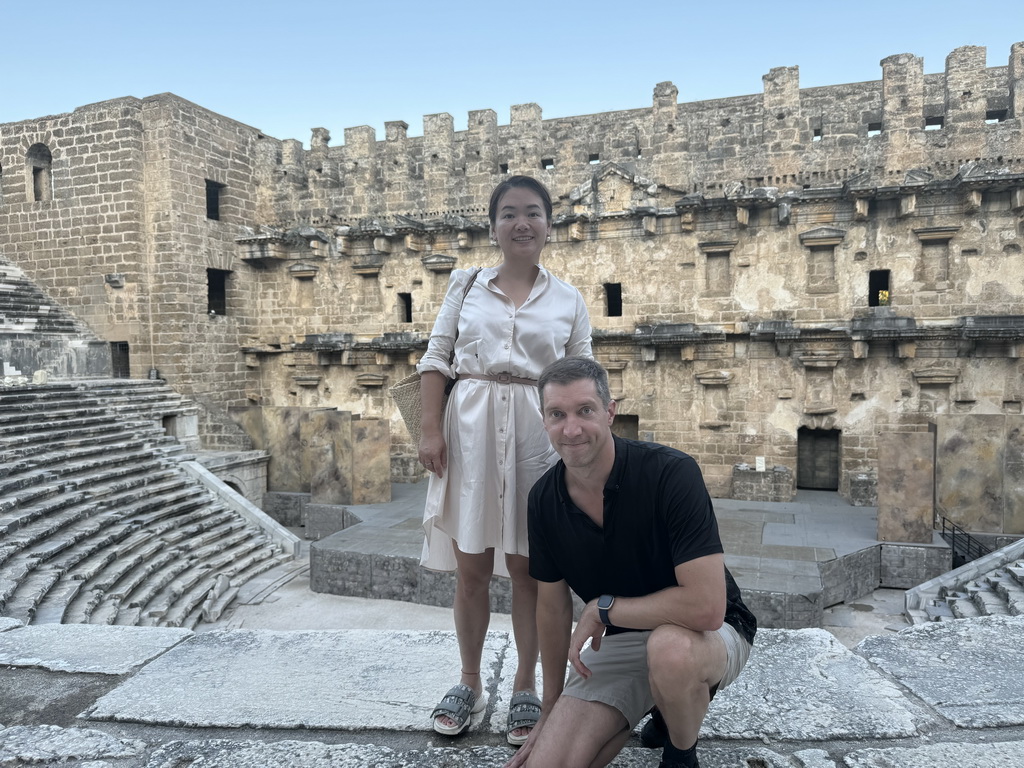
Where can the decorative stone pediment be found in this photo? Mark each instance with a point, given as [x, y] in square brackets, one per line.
[613, 189]
[917, 177]
[935, 376]
[822, 236]
[439, 262]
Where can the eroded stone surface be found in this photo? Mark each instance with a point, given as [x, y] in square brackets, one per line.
[998, 755]
[803, 684]
[347, 680]
[21, 744]
[8, 623]
[104, 650]
[969, 669]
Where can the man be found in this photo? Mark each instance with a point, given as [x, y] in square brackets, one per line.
[630, 528]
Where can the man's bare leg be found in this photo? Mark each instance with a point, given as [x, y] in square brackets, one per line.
[684, 665]
[579, 734]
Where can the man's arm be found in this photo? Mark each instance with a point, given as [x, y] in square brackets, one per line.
[554, 625]
[697, 603]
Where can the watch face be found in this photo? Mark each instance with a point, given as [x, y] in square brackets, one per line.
[605, 601]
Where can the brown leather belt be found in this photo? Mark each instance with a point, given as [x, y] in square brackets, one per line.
[501, 378]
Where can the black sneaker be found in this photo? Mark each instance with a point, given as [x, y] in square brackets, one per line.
[654, 734]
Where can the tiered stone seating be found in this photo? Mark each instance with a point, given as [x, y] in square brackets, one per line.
[25, 309]
[997, 593]
[99, 523]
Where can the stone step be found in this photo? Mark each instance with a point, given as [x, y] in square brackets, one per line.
[1012, 594]
[84, 460]
[189, 590]
[106, 606]
[49, 418]
[51, 609]
[31, 589]
[12, 436]
[149, 614]
[23, 445]
[988, 601]
[938, 611]
[963, 607]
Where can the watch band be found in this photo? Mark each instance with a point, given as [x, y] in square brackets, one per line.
[604, 604]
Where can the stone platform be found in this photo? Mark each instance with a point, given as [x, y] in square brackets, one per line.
[144, 697]
[791, 559]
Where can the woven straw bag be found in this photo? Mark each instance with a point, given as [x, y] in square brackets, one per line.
[407, 391]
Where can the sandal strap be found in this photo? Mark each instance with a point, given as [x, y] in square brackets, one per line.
[524, 711]
[457, 703]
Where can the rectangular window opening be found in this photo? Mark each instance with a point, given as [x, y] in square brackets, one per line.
[214, 191]
[547, 164]
[40, 177]
[934, 123]
[405, 307]
[613, 299]
[878, 288]
[216, 291]
[594, 159]
[874, 129]
[817, 135]
[120, 362]
[994, 116]
[503, 168]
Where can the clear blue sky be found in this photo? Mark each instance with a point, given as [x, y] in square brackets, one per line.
[285, 68]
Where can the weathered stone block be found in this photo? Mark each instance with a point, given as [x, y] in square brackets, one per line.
[906, 468]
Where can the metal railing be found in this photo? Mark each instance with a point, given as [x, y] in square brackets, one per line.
[965, 547]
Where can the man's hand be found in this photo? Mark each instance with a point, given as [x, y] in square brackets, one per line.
[523, 753]
[589, 627]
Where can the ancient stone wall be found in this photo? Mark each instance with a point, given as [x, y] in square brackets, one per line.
[782, 275]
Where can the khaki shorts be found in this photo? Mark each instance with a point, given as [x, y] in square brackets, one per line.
[620, 672]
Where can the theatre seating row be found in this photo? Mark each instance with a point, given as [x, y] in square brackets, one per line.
[99, 522]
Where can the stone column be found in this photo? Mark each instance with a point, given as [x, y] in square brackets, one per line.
[1015, 72]
[965, 88]
[481, 155]
[781, 116]
[525, 141]
[438, 159]
[903, 109]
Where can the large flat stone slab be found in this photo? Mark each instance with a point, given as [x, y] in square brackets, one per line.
[7, 623]
[972, 755]
[969, 670]
[218, 753]
[805, 685]
[100, 650]
[27, 745]
[346, 680]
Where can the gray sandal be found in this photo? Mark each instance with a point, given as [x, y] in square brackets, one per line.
[523, 712]
[460, 704]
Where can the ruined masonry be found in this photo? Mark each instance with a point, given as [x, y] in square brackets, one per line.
[785, 284]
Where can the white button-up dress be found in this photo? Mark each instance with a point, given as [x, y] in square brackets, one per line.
[497, 446]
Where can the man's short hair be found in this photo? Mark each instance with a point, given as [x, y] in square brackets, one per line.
[570, 369]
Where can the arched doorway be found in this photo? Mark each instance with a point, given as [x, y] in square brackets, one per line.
[817, 459]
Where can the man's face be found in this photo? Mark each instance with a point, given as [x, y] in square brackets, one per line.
[578, 425]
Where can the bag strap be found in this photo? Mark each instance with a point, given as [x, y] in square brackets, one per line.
[465, 293]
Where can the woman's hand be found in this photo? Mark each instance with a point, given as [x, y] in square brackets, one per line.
[434, 452]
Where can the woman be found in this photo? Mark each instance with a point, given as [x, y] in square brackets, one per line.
[488, 448]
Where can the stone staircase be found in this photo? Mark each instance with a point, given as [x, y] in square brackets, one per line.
[990, 586]
[99, 521]
[24, 308]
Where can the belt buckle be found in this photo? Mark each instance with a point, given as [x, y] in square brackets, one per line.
[504, 378]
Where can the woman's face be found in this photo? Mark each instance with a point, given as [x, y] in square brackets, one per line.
[521, 225]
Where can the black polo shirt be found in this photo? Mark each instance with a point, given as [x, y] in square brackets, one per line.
[657, 515]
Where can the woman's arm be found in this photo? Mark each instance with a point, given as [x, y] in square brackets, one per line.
[432, 448]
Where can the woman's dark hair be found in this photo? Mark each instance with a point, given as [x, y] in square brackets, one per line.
[525, 182]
